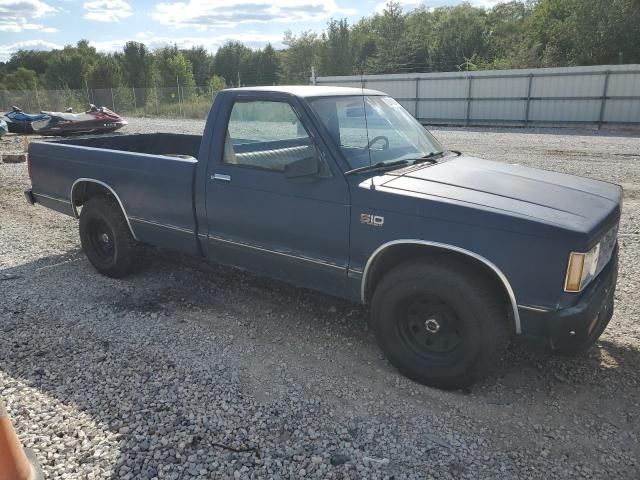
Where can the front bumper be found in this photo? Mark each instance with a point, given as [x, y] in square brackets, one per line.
[573, 329]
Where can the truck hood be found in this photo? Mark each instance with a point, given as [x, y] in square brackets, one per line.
[558, 199]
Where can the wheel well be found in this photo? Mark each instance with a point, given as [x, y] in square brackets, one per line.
[83, 191]
[394, 255]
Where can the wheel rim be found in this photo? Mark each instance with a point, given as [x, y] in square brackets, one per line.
[101, 238]
[430, 328]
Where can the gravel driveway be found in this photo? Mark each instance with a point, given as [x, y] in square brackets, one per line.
[192, 371]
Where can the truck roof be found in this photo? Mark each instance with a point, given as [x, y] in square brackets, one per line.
[311, 90]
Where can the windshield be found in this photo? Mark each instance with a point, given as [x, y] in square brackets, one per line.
[372, 129]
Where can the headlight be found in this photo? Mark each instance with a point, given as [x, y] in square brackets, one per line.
[583, 267]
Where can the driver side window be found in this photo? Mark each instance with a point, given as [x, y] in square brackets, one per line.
[266, 135]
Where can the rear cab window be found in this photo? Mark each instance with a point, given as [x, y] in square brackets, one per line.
[265, 134]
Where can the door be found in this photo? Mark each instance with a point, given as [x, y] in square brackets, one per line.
[262, 219]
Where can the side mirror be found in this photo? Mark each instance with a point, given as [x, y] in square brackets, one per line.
[304, 167]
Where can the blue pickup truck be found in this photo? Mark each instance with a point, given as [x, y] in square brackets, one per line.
[341, 190]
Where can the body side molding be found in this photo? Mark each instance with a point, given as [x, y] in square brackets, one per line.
[299, 258]
[480, 258]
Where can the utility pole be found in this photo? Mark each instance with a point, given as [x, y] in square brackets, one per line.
[238, 78]
[313, 75]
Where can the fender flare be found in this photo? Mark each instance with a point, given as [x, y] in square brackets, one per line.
[113, 192]
[501, 276]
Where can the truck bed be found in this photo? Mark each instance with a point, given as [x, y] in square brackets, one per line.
[152, 176]
[170, 144]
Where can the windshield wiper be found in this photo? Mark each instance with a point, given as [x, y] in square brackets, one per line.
[377, 166]
[429, 157]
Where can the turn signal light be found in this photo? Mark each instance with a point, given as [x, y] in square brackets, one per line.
[574, 272]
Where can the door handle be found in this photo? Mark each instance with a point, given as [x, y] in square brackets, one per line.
[220, 176]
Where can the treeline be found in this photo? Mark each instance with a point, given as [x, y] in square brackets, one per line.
[516, 34]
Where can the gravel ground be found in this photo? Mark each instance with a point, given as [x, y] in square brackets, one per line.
[192, 371]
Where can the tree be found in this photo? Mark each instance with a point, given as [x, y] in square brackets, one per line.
[459, 35]
[250, 68]
[420, 26]
[216, 83]
[363, 46]
[175, 69]
[585, 32]
[21, 79]
[35, 60]
[138, 66]
[302, 53]
[201, 62]
[69, 67]
[506, 35]
[336, 57]
[270, 66]
[228, 60]
[105, 73]
[392, 46]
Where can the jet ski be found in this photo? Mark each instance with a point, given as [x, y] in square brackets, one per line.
[20, 122]
[4, 128]
[94, 120]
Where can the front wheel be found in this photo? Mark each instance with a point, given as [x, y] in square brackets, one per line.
[441, 324]
[106, 238]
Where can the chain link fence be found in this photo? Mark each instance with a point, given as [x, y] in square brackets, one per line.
[176, 102]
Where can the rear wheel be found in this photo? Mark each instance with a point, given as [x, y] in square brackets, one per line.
[441, 324]
[106, 238]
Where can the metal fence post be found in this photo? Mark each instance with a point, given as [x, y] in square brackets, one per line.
[135, 104]
[604, 98]
[184, 113]
[468, 113]
[526, 114]
[417, 96]
[178, 92]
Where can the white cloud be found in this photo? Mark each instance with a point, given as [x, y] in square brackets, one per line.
[252, 39]
[211, 43]
[487, 3]
[7, 50]
[17, 15]
[107, 10]
[408, 5]
[19, 25]
[206, 14]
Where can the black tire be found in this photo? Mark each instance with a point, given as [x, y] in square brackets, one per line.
[106, 239]
[440, 323]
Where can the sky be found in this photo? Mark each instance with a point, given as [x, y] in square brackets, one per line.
[108, 24]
